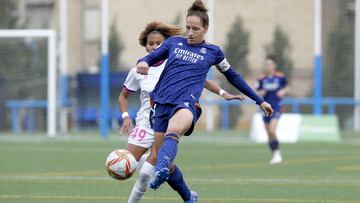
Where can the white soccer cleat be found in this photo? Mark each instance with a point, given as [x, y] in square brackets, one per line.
[276, 159]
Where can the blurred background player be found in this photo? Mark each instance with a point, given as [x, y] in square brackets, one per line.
[141, 138]
[272, 85]
[176, 95]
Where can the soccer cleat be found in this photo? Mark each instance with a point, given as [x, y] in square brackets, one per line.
[194, 197]
[161, 176]
[276, 159]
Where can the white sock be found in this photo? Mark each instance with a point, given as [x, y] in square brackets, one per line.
[277, 152]
[142, 183]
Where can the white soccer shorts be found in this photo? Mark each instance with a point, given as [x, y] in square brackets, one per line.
[142, 136]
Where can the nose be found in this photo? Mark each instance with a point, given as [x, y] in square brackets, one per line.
[191, 32]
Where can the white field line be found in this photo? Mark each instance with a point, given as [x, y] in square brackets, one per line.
[200, 180]
[123, 139]
[106, 149]
[167, 199]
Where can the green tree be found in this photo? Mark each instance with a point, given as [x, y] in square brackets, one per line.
[23, 62]
[237, 46]
[338, 69]
[177, 19]
[236, 50]
[116, 46]
[280, 48]
[7, 18]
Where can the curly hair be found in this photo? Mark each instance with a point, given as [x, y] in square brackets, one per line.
[165, 30]
[198, 9]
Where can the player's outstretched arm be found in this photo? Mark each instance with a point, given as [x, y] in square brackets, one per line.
[159, 54]
[237, 81]
[282, 92]
[216, 89]
[123, 104]
[142, 68]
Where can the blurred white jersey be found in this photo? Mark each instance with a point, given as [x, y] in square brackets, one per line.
[146, 83]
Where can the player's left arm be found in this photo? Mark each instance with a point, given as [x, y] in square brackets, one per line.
[285, 88]
[216, 89]
[237, 81]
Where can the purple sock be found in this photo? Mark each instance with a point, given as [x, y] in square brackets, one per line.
[274, 145]
[167, 152]
[177, 183]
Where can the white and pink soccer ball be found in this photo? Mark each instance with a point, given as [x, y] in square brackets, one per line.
[120, 164]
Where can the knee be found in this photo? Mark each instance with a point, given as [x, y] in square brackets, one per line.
[271, 132]
[174, 130]
[144, 174]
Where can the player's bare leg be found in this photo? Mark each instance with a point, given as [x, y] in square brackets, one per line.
[273, 141]
[180, 122]
[137, 151]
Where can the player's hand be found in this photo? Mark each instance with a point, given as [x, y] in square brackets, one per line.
[228, 97]
[126, 126]
[142, 68]
[266, 108]
[281, 93]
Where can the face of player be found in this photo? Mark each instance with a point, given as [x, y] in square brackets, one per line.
[153, 41]
[270, 66]
[195, 30]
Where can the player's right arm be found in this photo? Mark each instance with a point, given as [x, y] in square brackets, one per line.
[131, 84]
[160, 53]
[123, 104]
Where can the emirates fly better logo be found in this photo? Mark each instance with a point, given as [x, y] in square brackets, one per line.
[188, 55]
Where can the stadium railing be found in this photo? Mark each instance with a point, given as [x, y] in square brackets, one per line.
[294, 103]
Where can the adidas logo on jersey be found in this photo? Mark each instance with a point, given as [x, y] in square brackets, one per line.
[180, 44]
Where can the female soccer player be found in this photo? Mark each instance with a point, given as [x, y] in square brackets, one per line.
[175, 108]
[141, 138]
[273, 87]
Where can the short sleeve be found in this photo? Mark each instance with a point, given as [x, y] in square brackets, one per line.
[284, 82]
[132, 83]
[221, 62]
[259, 85]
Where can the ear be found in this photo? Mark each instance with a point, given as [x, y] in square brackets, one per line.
[206, 29]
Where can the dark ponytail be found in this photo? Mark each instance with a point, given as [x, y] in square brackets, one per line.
[198, 9]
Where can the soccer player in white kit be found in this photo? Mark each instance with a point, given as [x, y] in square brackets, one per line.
[141, 137]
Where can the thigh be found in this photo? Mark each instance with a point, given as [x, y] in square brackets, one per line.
[137, 151]
[271, 128]
[180, 122]
[273, 124]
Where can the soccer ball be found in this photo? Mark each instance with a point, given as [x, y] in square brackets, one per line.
[120, 164]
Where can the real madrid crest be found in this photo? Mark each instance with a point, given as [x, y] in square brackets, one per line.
[203, 50]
